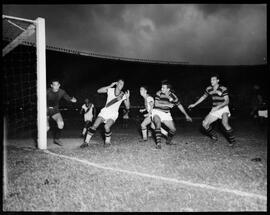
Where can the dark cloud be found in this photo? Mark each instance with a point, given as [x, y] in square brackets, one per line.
[200, 34]
[211, 9]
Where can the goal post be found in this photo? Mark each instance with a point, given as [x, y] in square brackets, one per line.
[41, 84]
[16, 32]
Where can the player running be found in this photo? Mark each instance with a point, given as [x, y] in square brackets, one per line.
[164, 101]
[220, 109]
[89, 112]
[109, 114]
[54, 95]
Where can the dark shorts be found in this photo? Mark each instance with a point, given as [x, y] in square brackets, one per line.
[52, 111]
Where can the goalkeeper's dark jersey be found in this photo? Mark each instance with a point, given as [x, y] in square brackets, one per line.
[53, 98]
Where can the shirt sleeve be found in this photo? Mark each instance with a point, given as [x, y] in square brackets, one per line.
[225, 91]
[206, 92]
[174, 99]
[66, 96]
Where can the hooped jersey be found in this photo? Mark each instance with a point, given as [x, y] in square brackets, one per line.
[216, 95]
[165, 102]
[113, 102]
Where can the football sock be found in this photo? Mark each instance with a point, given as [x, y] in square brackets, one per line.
[210, 131]
[230, 135]
[158, 136]
[108, 137]
[57, 133]
[170, 136]
[89, 135]
[144, 133]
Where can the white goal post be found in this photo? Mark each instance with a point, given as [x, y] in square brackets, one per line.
[38, 27]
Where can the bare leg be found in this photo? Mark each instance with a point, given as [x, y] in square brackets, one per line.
[108, 132]
[206, 124]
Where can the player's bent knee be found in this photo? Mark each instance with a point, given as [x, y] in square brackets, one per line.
[60, 124]
[143, 126]
[204, 123]
[107, 128]
[226, 126]
[173, 130]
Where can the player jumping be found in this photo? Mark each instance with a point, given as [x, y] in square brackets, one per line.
[109, 114]
[220, 109]
[54, 95]
[164, 101]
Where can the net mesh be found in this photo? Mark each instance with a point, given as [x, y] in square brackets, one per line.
[19, 81]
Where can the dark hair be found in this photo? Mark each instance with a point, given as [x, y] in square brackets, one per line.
[165, 82]
[120, 79]
[145, 87]
[54, 80]
[215, 75]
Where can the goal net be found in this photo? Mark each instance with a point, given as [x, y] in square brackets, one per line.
[24, 78]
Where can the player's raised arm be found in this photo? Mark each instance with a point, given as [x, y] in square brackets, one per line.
[105, 89]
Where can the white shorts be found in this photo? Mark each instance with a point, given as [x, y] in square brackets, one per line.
[263, 113]
[106, 114]
[221, 111]
[162, 115]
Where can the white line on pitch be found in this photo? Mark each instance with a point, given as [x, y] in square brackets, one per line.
[237, 192]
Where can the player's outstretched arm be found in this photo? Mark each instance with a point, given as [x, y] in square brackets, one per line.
[182, 109]
[198, 101]
[105, 89]
[68, 98]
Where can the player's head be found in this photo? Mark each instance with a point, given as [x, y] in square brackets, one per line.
[55, 85]
[143, 91]
[214, 79]
[256, 87]
[120, 83]
[165, 87]
[86, 100]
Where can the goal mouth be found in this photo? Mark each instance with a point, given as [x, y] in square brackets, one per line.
[24, 74]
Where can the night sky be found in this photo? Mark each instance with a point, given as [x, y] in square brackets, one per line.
[213, 34]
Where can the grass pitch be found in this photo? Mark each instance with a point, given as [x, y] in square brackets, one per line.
[195, 174]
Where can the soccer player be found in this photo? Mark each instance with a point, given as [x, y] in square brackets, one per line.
[220, 109]
[54, 95]
[125, 118]
[89, 112]
[165, 99]
[147, 111]
[109, 114]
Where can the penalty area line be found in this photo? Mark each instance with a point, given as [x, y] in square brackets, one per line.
[188, 183]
